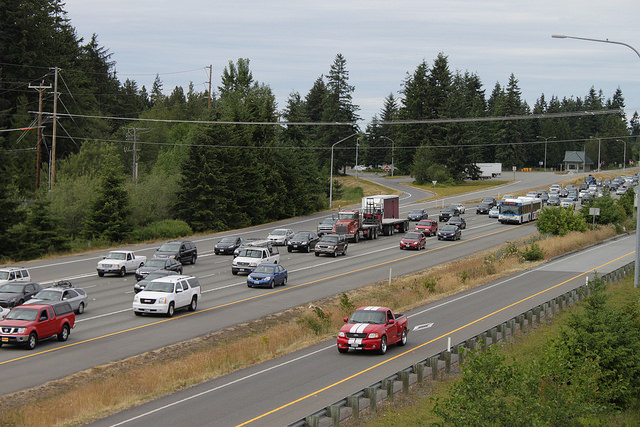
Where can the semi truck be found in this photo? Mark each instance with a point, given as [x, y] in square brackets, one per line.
[378, 215]
[489, 170]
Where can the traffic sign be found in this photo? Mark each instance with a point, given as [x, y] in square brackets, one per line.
[386, 168]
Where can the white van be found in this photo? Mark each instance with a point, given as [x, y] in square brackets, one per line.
[14, 274]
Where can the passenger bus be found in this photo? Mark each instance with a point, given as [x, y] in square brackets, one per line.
[519, 210]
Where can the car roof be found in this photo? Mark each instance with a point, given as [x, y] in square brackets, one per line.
[172, 278]
[373, 308]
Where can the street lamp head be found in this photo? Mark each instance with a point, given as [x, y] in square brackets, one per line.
[558, 36]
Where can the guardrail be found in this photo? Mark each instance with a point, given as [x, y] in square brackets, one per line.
[369, 397]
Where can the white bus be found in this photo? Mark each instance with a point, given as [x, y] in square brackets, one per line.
[520, 210]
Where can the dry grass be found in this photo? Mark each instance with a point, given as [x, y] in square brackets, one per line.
[107, 389]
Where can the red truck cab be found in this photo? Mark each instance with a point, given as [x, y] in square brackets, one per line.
[373, 328]
[27, 324]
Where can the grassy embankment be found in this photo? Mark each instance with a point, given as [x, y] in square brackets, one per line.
[110, 388]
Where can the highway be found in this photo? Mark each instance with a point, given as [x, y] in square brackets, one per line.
[108, 331]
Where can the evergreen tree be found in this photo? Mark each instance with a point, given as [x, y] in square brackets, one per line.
[40, 234]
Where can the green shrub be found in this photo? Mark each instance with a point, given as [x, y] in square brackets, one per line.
[166, 229]
[346, 305]
[533, 253]
[429, 284]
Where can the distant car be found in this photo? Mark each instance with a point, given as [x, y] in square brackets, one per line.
[417, 215]
[483, 208]
[490, 201]
[332, 244]
[303, 241]
[159, 264]
[413, 240]
[14, 274]
[326, 226]
[428, 227]
[554, 200]
[62, 291]
[621, 190]
[459, 221]
[567, 203]
[494, 212]
[183, 251]
[270, 275]
[449, 232]
[447, 213]
[459, 206]
[140, 285]
[253, 243]
[16, 293]
[280, 236]
[227, 245]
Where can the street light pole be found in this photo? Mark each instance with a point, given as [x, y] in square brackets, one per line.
[393, 144]
[357, 146]
[636, 278]
[624, 155]
[331, 172]
[545, 148]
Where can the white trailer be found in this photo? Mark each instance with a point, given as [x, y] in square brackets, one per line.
[489, 170]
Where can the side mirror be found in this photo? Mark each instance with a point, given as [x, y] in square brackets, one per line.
[346, 319]
[391, 321]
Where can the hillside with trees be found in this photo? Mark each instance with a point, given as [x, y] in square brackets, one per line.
[134, 163]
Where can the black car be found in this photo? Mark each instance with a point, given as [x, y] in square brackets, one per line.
[183, 251]
[303, 241]
[449, 232]
[158, 264]
[151, 276]
[16, 293]
[483, 208]
[459, 221]
[490, 201]
[417, 215]
[447, 213]
[227, 245]
[332, 244]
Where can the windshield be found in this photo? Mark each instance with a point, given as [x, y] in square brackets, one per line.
[250, 253]
[302, 235]
[48, 295]
[368, 316]
[347, 215]
[22, 314]
[330, 239]
[510, 209]
[4, 275]
[264, 269]
[429, 222]
[416, 212]
[155, 263]
[328, 221]
[169, 247]
[227, 240]
[116, 255]
[449, 228]
[279, 232]
[11, 288]
[160, 287]
[412, 236]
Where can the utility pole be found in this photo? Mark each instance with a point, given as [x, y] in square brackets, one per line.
[39, 143]
[134, 165]
[55, 121]
[210, 74]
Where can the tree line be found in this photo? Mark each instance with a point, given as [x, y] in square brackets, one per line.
[232, 163]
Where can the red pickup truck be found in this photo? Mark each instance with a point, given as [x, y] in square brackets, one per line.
[373, 328]
[27, 324]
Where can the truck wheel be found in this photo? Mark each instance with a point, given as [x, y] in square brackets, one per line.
[64, 333]
[193, 258]
[100, 274]
[289, 249]
[180, 271]
[335, 253]
[403, 339]
[356, 238]
[383, 345]
[80, 309]
[234, 272]
[33, 341]
[123, 271]
[194, 304]
[317, 253]
[344, 253]
[137, 313]
[342, 350]
[170, 310]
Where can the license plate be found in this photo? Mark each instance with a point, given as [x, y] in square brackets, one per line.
[4, 339]
[354, 345]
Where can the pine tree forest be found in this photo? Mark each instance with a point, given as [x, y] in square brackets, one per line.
[130, 158]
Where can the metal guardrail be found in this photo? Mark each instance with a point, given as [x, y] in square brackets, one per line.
[369, 397]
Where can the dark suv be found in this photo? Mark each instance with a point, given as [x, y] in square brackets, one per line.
[447, 213]
[183, 251]
[332, 244]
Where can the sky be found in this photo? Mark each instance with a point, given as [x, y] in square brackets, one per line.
[290, 43]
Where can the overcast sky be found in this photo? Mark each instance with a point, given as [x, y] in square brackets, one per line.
[290, 43]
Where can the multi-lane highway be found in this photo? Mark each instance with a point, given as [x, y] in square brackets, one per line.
[109, 331]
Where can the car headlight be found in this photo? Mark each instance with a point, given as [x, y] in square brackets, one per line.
[341, 334]
[21, 330]
[253, 264]
[162, 300]
[373, 335]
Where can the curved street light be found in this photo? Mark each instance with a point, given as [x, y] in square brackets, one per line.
[331, 173]
[546, 138]
[636, 278]
[393, 145]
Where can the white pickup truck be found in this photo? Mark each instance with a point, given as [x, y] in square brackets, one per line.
[120, 262]
[167, 294]
[250, 257]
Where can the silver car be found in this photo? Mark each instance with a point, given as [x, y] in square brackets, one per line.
[280, 236]
[62, 291]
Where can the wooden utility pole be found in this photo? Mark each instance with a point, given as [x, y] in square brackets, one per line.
[55, 121]
[39, 143]
[210, 74]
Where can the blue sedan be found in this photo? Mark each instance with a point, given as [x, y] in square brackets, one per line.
[269, 275]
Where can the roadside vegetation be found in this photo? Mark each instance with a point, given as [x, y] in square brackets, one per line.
[107, 389]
